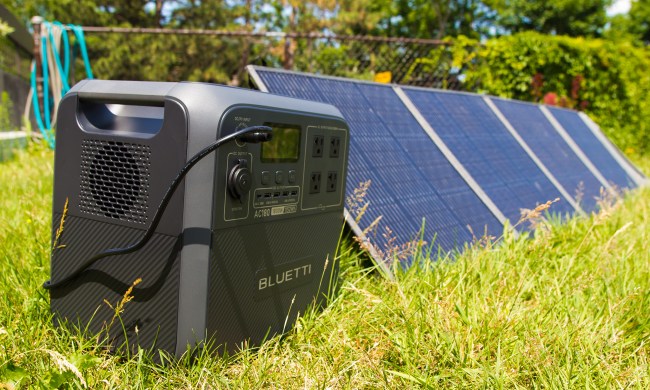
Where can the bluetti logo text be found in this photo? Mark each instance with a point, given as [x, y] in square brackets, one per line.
[284, 277]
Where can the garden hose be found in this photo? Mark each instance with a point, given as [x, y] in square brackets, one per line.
[54, 45]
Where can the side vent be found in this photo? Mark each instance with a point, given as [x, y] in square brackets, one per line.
[115, 180]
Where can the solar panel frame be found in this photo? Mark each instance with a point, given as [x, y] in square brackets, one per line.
[497, 176]
[449, 195]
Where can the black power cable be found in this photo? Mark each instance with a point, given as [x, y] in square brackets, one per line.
[252, 134]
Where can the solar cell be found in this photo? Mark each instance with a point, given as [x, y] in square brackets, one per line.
[574, 125]
[494, 158]
[411, 178]
[549, 146]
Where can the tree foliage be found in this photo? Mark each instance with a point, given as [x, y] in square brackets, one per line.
[605, 77]
[560, 17]
[439, 18]
[640, 19]
[408, 18]
[149, 57]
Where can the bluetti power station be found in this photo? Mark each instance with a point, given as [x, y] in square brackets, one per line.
[220, 207]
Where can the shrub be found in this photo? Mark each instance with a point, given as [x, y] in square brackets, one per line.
[6, 110]
[609, 80]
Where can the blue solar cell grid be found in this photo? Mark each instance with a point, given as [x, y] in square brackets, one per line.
[486, 149]
[552, 150]
[592, 147]
[411, 179]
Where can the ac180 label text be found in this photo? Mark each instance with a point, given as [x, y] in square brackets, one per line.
[277, 210]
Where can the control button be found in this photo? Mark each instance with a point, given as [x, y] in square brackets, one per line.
[292, 177]
[279, 177]
[266, 178]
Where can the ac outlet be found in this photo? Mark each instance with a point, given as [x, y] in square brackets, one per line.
[318, 142]
[331, 181]
[335, 146]
[314, 183]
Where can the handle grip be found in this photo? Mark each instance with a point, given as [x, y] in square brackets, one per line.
[144, 93]
[126, 108]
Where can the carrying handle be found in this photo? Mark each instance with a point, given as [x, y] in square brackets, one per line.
[125, 92]
[127, 108]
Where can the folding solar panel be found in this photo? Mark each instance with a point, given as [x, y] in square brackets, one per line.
[632, 170]
[411, 178]
[549, 146]
[485, 147]
[584, 137]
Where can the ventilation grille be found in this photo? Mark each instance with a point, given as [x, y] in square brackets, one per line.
[115, 180]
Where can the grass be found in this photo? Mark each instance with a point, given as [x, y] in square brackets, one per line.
[567, 308]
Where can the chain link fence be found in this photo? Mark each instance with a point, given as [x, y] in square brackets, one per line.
[425, 63]
[419, 62]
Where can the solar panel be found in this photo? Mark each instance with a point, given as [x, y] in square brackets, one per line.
[549, 146]
[601, 157]
[411, 178]
[494, 158]
[632, 170]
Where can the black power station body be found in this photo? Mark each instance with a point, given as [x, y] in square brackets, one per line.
[245, 244]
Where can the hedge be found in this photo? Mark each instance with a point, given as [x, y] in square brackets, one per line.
[609, 80]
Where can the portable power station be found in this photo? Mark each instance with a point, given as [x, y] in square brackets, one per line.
[233, 252]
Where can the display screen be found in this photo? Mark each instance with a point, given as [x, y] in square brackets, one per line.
[285, 145]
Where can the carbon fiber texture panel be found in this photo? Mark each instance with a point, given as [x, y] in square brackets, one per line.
[236, 310]
[153, 309]
[591, 146]
[552, 150]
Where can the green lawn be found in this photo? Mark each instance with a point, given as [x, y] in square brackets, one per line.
[568, 308]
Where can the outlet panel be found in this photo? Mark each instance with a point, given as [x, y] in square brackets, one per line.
[324, 171]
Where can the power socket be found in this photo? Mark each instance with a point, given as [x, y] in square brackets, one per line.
[314, 183]
[331, 181]
[335, 146]
[317, 146]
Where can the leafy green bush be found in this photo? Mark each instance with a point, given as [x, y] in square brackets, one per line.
[6, 109]
[609, 80]
[5, 29]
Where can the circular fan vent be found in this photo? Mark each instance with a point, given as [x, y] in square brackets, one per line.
[115, 180]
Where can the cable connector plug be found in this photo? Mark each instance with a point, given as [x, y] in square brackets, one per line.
[261, 134]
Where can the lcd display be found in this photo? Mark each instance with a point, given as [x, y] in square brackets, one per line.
[285, 145]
